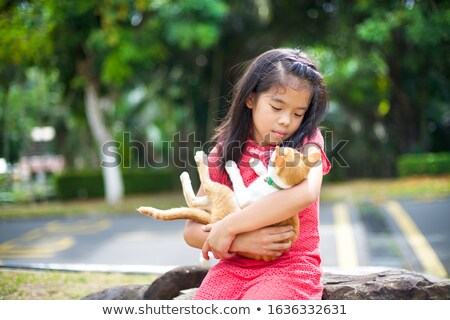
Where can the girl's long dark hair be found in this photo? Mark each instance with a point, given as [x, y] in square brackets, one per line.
[273, 69]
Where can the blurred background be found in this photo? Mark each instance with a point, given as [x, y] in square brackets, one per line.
[139, 85]
[103, 103]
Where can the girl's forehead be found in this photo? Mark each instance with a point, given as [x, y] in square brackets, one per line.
[287, 94]
[293, 84]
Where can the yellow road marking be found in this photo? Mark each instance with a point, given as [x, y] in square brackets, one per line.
[345, 239]
[32, 235]
[45, 248]
[46, 241]
[415, 238]
[80, 227]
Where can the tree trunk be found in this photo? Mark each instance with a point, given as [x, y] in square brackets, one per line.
[112, 176]
[405, 109]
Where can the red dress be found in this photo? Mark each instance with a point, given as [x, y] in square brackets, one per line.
[294, 275]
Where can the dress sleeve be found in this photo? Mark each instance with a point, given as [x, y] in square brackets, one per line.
[317, 139]
[214, 164]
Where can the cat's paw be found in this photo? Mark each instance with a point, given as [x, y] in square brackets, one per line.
[185, 177]
[253, 162]
[199, 156]
[257, 166]
[231, 166]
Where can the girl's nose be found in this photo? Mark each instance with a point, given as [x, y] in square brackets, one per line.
[284, 120]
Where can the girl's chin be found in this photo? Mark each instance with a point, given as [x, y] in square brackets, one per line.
[276, 139]
[270, 139]
[271, 142]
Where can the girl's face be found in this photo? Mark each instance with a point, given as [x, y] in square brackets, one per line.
[277, 113]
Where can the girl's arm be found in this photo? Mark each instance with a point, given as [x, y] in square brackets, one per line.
[264, 241]
[271, 209]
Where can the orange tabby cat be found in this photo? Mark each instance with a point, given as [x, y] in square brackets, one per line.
[287, 168]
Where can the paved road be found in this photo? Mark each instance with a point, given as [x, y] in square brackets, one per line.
[402, 234]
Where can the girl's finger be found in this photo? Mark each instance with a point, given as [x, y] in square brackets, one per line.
[283, 236]
[281, 246]
[205, 250]
[280, 229]
[207, 227]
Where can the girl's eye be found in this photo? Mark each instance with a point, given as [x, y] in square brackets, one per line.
[298, 115]
[275, 108]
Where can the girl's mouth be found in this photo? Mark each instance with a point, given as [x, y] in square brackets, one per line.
[279, 134]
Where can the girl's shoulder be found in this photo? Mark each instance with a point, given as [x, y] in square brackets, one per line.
[215, 166]
[318, 140]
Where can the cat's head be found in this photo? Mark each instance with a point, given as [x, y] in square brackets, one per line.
[291, 166]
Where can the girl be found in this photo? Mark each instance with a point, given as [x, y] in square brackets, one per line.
[280, 100]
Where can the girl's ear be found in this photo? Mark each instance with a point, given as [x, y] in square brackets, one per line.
[250, 100]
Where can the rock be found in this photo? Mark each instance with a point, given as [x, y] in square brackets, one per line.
[170, 284]
[396, 284]
[186, 294]
[131, 292]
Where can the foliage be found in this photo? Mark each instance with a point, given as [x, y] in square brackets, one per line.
[25, 32]
[413, 39]
[34, 101]
[24, 41]
[386, 83]
[169, 65]
[81, 185]
[150, 181]
[424, 164]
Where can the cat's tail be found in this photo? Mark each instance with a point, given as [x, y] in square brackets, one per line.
[177, 214]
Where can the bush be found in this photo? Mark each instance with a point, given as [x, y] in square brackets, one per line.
[147, 180]
[423, 164]
[89, 184]
[79, 184]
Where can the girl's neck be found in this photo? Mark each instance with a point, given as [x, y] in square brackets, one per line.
[262, 144]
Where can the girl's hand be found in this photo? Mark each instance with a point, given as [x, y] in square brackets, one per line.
[264, 241]
[218, 242]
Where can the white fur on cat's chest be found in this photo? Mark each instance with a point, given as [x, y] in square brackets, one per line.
[257, 189]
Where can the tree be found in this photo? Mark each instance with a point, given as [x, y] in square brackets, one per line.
[103, 47]
[386, 80]
[25, 31]
[413, 39]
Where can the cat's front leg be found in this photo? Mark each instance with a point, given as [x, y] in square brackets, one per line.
[239, 188]
[258, 167]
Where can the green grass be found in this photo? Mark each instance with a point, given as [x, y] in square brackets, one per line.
[422, 188]
[57, 285]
